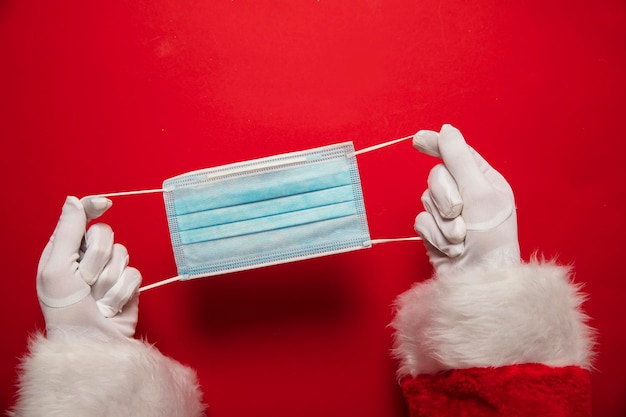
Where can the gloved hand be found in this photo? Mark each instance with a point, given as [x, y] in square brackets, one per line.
[470, 217]
[84, 284]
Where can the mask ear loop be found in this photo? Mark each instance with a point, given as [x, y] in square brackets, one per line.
[162, 190]
[123, 193]
[183, 277]
[161, 283]
[380, 145]
[374, 148]
[395, 239]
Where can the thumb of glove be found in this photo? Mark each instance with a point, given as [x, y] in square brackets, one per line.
[58, 282]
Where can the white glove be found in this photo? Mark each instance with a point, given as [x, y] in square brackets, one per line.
[470, 217]
[84, 284]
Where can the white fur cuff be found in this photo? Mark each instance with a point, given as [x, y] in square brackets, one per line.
[529, 313]
[115, 378]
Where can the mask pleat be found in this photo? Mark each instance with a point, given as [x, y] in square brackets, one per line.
[246, 251]
[260, 209]
[264, 224]
[259, 186]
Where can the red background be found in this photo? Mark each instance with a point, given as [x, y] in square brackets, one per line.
[120, 95]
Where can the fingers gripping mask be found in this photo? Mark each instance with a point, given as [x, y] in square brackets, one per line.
[266, 211]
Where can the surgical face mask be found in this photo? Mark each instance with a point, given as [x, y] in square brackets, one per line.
[266, 211]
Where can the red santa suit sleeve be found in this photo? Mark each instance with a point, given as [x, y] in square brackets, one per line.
[89, 377]
[507, 341]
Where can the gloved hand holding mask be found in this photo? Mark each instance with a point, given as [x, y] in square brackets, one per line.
[84, 284]
[470, 217]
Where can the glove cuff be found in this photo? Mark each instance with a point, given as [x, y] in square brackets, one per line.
[125, 377]
[488, 317]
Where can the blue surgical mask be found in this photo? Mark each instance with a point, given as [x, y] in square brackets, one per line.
[266, 211]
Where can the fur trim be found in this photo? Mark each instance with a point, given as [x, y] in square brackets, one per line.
[528, 313]
[116, 378]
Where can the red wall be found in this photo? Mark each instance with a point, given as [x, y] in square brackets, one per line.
[120, 95]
